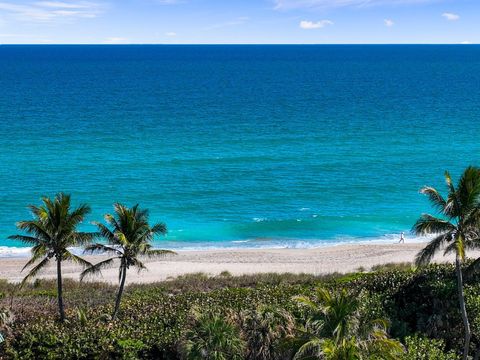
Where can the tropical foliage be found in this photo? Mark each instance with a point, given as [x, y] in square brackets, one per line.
[213, 337]
[455, 231]
[156, 317]
[267, 330]
[421, 348]
[51, 233]
[336, 329]
[128, 238]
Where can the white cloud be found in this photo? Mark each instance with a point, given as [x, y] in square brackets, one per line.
[171, 34]
[451, 16]
[115, 40]
[466, 42]
[49, 11]
[307, 25]
[388, 22]
[298, 4]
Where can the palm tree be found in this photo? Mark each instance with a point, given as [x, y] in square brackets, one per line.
[52, 232]
[128, 239]
[213, 337]
[264, 329]
[455, 230]
[336, 329]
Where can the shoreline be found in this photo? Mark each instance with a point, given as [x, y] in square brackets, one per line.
[323, 260]
[19, 252]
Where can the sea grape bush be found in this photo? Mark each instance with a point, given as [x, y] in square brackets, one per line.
[421, 348]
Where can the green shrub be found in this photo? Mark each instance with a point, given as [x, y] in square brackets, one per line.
[154, 316]
[421, 348]
[265, 330]
[211, 336]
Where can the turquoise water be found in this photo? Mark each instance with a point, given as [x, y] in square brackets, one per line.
[244, 146]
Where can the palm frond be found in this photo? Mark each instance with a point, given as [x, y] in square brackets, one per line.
[468, 188]
[38, 251]
[101, 248]
[384, 347]
[449, 182]
[78, 215]
[35, 270]
[38, 211]
[122, 239]
[158, 253]
[380, 324]
[34, 227]
[122, 213]
[112, 221]
[139, 214]
[98, 267]
[453, 204]
[67, 255]
[105, 232]
[311, 349]
[428, 224]
[435, 198]
[138, 264]
[454, 248]
[83, 238]
[30, 240]
[426, 255]
[160, 229]
[305, 302]
[471, 221]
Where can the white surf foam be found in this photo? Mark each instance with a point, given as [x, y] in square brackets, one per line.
[7, 251]
[252, 243]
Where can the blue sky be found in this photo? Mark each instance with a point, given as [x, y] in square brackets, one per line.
[239, 21]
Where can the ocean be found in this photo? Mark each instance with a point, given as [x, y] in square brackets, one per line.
[238, 146]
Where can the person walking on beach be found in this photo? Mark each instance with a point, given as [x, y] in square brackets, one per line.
[402, 238]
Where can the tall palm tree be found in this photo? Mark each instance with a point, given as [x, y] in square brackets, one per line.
[128, 238]
[52, 232]
[335, 329]
[456, 230]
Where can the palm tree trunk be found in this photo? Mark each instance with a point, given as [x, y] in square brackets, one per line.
[60, 290]
[120, 291]
[463, 309]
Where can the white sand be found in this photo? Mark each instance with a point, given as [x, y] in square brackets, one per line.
[342, 258]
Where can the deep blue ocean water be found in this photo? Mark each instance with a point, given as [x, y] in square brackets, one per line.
[245, 146]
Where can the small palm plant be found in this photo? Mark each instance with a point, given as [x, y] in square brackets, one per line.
[455, 230]
[128, 238]
[265, 329]
[51, 233]
[213, 337]
[336, 329]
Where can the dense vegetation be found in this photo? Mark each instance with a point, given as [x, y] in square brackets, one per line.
[247, 317]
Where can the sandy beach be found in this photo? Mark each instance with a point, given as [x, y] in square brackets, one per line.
[341, 258]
